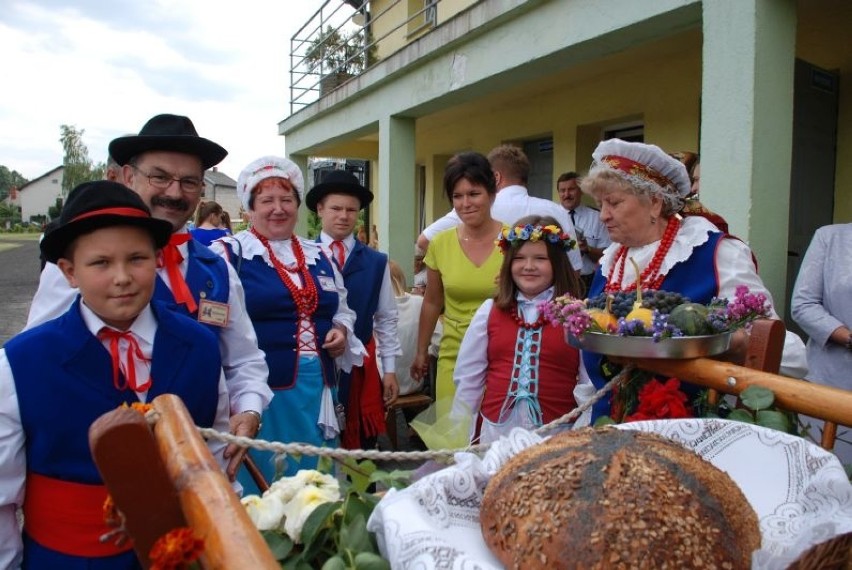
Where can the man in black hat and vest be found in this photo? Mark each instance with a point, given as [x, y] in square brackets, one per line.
[337, 201]
[165, 165]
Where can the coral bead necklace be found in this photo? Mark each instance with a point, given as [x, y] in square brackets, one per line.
[306, 297]
[650, 277]
[519, 318]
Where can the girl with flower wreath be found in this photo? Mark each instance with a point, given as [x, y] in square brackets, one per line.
[640, 191]
[514, 368]
[297, 303]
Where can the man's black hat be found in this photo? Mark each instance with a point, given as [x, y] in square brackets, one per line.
[338, 182]
[173, 133]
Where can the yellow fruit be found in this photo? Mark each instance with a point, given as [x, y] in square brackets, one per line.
[603, 319]
[641, 314]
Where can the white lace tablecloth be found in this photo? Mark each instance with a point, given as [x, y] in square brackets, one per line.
[800, 493]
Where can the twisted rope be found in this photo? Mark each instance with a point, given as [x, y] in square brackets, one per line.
[445, 455]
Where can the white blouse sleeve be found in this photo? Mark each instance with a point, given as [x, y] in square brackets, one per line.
[734, 266]
[345, 317]
[472, 363]
[12, 468]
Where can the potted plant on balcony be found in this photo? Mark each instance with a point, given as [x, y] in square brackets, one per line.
[337, 56]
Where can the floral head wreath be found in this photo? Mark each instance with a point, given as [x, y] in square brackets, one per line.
[549, 234]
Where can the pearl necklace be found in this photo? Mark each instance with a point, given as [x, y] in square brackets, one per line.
[650, 278]
[306, 297]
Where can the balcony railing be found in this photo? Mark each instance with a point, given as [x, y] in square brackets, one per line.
[344, 38]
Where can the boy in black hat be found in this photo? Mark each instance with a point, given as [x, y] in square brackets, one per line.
[337, 201]
[112, 347]
[164, 164]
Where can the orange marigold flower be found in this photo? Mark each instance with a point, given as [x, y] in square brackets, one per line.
[175, 550]
[139, 407]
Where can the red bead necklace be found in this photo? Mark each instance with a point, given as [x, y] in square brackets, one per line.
[306, 297]
[650, 277]
[519, 318]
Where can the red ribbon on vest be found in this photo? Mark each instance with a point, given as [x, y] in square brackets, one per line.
[129, 366]
[68, 517]
[171, 261]
[365, 412]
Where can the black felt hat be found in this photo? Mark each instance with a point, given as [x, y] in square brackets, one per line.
[170, 133]
[338, 182]
[101, 204]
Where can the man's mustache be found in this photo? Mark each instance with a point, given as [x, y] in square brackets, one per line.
[171, 203]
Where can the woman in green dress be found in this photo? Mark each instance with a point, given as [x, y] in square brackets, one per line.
[462, 264]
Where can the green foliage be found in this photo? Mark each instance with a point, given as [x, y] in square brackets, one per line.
[756, 407]
[78, 166]
[336, 51]
[53, 211]
[8, 179]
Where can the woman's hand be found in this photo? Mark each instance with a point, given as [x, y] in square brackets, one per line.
[420, 366]
[390, 388]
[246, 424]
[335, 342]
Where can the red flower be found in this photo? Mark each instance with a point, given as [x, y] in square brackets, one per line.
[175, 550]
[659, 401]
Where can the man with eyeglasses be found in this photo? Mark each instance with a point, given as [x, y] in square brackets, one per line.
[165, 165]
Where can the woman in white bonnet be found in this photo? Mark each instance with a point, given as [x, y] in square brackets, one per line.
[297, 303]
[640, 190]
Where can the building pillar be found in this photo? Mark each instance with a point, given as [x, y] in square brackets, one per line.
[747, 125]
[301, 160]
[397, 196]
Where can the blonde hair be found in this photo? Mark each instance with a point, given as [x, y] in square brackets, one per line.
[397, 278]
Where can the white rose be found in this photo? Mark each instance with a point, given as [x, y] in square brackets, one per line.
[287, 487]
[300, 507]
[266, 513]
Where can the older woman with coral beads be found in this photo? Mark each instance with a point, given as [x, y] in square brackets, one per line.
[640, 190]
[297, 303]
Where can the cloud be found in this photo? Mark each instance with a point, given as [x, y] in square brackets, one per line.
[108, 67]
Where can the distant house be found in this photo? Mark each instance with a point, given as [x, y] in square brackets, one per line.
[221, 188]
[38, 195]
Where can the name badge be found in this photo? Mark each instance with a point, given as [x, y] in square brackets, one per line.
[327, 283]
[213, 313]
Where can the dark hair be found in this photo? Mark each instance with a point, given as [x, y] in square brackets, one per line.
[565, 279]
[511, 162]
[470, 166]
[207, 209]
[565, 176]
[226, 221]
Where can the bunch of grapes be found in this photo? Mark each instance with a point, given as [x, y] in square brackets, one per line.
[622, 303]
[663, 301]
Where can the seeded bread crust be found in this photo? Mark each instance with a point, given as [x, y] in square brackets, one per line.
[616, 499]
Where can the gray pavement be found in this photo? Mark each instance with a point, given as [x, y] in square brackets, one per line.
[19, 271]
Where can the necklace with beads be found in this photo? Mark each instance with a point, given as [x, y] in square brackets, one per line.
[650, 277]
[519, 318]
[306, 297]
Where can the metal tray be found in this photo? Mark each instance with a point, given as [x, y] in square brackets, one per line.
[645, 347]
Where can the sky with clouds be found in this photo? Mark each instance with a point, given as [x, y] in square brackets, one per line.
[107, 67]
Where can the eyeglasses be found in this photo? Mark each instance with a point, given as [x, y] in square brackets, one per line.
[188, 185]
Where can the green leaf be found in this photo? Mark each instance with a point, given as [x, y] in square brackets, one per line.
[354, 535]
[325, 464]
[741, 416]
[757, 398]
[604, 421]
[297, 563]
[334, 563]
[774, 420]
[359, 473]
[280, 544]
[355, 506]
[370, 561]
[319, 519]
[396, 479]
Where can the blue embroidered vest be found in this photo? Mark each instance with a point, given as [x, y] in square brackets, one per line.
[206, 274]
[63, 376]
[695, 278]
[273, 314]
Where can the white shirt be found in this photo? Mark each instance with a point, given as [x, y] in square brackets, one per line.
[13, 467]
[588, 222]
[386, 318]
[244, 363]
[511, 204]
[251, 247]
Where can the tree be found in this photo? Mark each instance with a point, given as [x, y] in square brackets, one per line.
[78, 165]
[9, 179]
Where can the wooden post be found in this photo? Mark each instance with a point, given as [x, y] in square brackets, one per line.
[209, 503]
[130, 465]
[826, 402]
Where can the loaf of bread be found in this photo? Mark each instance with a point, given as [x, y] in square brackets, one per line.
[616, 499]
